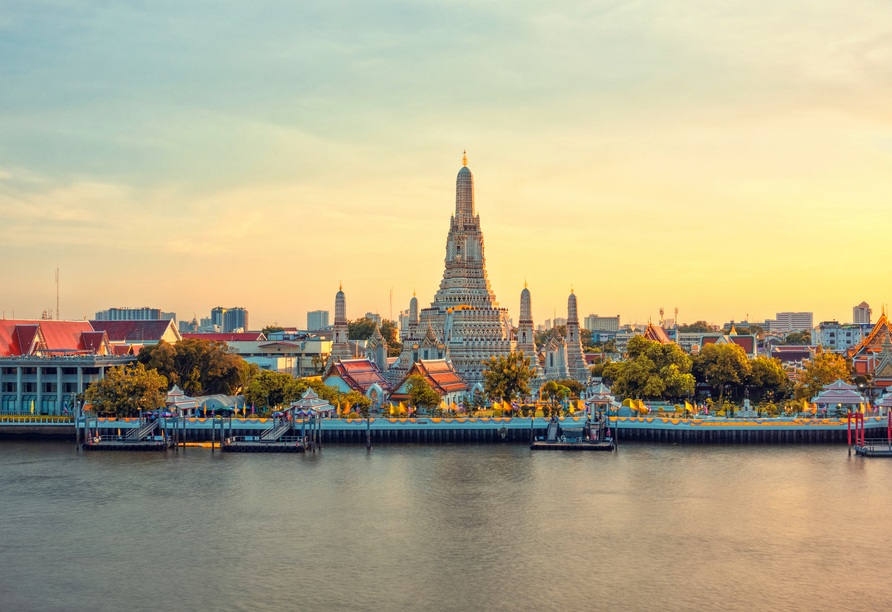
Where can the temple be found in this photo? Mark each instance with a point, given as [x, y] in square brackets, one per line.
[464, 325]
[873, 357]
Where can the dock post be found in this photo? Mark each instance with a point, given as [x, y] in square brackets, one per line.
[368, 433]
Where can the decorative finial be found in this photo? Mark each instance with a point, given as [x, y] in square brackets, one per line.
[464, 160]
[340, 286]
[524, 283]
[571, 289]
[413, 291]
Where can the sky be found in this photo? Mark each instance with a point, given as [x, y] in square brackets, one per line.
[731, 159]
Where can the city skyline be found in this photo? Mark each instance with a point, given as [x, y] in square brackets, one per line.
[728, 161]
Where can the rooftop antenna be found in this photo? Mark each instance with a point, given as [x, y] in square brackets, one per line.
[391, 303]
[57, 292]
[676, 317]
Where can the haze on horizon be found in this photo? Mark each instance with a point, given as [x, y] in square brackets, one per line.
[729, 159]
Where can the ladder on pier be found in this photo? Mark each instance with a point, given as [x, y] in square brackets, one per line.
[142, 431]
[551, 434]
[276, 432]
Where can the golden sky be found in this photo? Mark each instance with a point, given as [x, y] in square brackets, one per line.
[728, 159]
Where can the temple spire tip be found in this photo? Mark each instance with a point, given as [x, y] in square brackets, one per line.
[464, 159]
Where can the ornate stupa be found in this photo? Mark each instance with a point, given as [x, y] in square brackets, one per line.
[464, 317]
[340, 347]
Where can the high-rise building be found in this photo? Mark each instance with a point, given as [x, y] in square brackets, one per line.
[791, 321]
[861, 313]
[596, 323]
[373, 316]
[132, 314]
[317, 319]
[217, 316]
[235, 319]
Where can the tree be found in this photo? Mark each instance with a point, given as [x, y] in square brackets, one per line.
[421, 394]
[269, 329]
[653, 370]
[767, 378]
[270, 389]
[199, 367]
[356, 401]
[721, 365]
[508, 376]
[798, 338]
[391, 334]
[701, 327]
[320, 362]
[822, 369]
[127, 390]
[360, 329]
[573, 385]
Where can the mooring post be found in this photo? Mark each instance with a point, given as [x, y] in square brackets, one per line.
[368, 432]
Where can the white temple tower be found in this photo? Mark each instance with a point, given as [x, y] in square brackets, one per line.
[340, 348]
[576, 365]
[526, 338]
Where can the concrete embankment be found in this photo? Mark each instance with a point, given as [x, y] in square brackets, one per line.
[478, 430]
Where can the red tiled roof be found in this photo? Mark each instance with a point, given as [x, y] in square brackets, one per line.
[150, 330]
[94, 342]
[656, 334]
[359, 374]
[440, 375]
[16, 336]
[240, 337]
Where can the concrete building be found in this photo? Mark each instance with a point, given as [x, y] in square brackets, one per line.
[135, 314]
[791, 321]
[834, 336]
[44, 363]
[597, 323]
[374, 316]
[861, 314]
[317, 319]
[235, 319]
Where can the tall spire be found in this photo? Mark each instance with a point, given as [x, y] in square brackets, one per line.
[464, 159]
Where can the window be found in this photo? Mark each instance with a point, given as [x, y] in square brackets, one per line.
[69, 387]
[29, 387]
[69, 371]
[49, 371]
[49, 387]
[8, 405]
[9, 387]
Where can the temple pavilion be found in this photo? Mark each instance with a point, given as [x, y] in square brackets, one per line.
[873, 357]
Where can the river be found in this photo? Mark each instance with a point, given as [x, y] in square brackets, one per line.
[453, 528]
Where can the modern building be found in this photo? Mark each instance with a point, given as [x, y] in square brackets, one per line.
[317, 319]
[791, 321]
[374, 316]
[235, 319]
[861, 313]
[834, 336]
[135, 314]
[597, 323]
[44, 363]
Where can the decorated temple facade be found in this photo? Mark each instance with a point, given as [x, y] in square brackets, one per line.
[873, 356]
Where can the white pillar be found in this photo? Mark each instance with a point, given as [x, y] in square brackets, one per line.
[39, 390]
[80, 379]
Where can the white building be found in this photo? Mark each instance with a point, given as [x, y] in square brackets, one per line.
[317, 319]
[861, 313]
[834, 336]
[791, 321]
[596, 323]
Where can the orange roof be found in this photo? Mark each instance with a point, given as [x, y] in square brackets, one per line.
[440, 375]
[240, 337]
[149, 330]
[871, 344]
[656, 334]
[23, 337]
[359, 374]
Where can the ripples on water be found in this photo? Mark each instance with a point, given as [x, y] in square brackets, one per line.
[445, 528]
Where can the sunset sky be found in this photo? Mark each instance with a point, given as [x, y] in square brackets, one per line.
[726, 158]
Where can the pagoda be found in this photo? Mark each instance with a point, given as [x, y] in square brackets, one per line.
[464, 319]
[872, 357]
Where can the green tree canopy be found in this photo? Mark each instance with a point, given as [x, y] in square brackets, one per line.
[126, 390]
[268, 389]
[266, 331]
[797, 338]
[199, 367]
[391, 334]
[573, 385]
[823, 369]
[697, 327]
[767, 378]
[507, 377]
[653, 370]
[421, 394]
[720, 365]
[360, 329]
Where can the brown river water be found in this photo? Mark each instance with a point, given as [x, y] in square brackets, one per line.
[453, 528]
